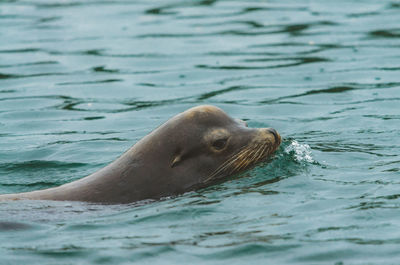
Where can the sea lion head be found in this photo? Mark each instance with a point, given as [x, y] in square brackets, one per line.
[204, 145]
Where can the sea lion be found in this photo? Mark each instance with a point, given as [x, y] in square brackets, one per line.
[192, 150]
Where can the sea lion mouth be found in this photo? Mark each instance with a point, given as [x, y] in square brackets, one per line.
[258, 150]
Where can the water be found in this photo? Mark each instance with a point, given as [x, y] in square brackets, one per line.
[81, 81]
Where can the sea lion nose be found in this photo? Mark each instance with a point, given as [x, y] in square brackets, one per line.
[275, 134]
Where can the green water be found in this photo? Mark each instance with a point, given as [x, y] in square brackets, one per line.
[81, 81]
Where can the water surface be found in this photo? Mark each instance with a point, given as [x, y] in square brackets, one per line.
[81, 81]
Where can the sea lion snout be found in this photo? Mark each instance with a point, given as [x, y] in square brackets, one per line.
[270, 135]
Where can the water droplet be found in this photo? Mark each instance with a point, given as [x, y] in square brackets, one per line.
[302, 152]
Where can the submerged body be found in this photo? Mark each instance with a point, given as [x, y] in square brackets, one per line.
[191, 150]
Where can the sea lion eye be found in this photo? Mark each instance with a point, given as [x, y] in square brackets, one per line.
[220, 143]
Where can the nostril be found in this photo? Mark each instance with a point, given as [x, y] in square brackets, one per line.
[275, 134]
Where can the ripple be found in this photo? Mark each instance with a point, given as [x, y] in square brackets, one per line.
[64, 4]
[66, 251]
[14, 226]
[328, 255]
[298, 61]
[222, 91]
[14, 76]
[389, 197]
[363, 14]
[38, 164]
[166, 9]
[394, 5]
[33, 185]
[30, 64]
[252, 9]
[8, 91]
[181, 214]
[383, 117]
[7, 76]
[370, 205]
[395, 33]
[91, 118]
[24, 50]
[250, 249]
[48, 19]
[161, 11]
[342, 147]
[92, 140]
[113, 80]
[103, 69]
[335, 89]
[375, 100]
[169, 35]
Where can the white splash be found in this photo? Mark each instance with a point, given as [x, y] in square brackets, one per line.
[302, 152]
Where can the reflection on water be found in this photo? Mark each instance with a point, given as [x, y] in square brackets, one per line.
[81, 81]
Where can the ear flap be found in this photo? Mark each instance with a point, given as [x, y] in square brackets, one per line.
[176, 160]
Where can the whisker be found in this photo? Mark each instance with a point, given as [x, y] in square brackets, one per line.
[229, 161]
[247, 160]
[245, 157]
[262, 153]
